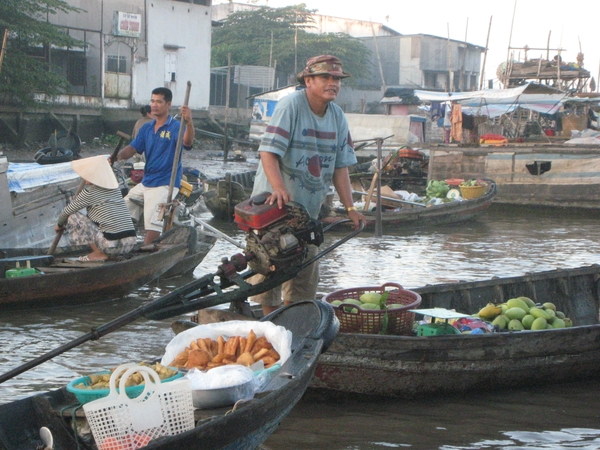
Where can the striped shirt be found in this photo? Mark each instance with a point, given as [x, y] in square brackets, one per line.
[106, 208]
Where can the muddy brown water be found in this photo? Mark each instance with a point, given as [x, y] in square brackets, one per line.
[504, 241]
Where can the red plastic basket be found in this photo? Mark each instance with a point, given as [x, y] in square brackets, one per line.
[368, 321]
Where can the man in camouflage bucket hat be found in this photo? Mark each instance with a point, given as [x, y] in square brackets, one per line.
[320, 65]
[305, 148]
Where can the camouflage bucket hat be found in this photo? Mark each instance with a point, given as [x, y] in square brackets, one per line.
[320, 65]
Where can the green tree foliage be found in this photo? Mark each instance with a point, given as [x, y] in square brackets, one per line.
[268, 35]
[25, 69]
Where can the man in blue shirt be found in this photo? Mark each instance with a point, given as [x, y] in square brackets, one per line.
[157, 140]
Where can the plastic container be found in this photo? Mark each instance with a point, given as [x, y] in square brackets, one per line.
[87, 395]
[436, 329]
[22, 272]
[368, 321]
[469, 192]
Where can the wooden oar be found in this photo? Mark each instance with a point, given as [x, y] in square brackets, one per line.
[60, 232]
[168, 211]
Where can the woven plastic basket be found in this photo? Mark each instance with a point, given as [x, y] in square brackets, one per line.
[119, 422]
[469, 192]
[368, 321]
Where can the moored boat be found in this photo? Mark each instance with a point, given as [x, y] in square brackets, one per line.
[222, 194]
[410, 214]
[313, 326]
[414, 366]
[29, 277]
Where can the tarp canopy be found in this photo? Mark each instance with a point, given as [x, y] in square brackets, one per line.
[496, 102]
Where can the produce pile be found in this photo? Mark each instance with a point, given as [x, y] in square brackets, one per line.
[522, 313]
[101, 380]
[206, 353]
[366, 301]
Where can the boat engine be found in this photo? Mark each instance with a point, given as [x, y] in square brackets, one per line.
[276, 238]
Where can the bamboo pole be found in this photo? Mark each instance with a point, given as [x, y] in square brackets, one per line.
[3, 48]
[487, 40]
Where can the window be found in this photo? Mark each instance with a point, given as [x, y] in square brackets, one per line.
[116, 63]
[77, 70]
[170, 67]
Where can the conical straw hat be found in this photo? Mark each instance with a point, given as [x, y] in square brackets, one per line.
[97, 171]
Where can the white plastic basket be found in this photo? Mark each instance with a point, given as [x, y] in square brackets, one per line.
[162, 409]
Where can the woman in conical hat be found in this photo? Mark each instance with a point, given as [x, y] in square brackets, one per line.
[107, 226]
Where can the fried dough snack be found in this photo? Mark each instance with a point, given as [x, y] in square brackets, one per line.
[206, 353]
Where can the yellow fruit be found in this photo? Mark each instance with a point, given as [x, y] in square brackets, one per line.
[370, 297]
[501, 322]
[527, 321]
[539, 324]
[515, 325]
[528, 301]
[539, 313]
[515, 313]
[517, 303]
[369, 306]
[490, 312]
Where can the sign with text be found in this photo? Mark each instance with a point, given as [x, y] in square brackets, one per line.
[127, 24]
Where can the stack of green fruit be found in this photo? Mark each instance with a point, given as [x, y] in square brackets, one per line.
[366, 301]
[522, 313]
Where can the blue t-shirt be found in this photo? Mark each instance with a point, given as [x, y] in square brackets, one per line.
[159, 149]
[310, 148]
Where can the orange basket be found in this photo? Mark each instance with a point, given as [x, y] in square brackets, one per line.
[368, 321]
[469, 192]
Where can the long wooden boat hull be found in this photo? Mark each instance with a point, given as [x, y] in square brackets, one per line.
[411, 366]
[66, 281]
[541, 175]
[416, 216]
[313, 326]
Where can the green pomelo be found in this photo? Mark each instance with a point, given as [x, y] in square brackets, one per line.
[370, 297]
[560, 314]
[515, 313]
[558, 323]
[336, 302]
[369, 306]
[501, 322]
[353, 301]
[527, 321]
[528, 301]
[515, 325]
[549, 305]
[517, 303]
[539, 324]
[539, 313]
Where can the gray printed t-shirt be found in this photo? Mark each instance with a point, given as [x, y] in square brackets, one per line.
[310, 148]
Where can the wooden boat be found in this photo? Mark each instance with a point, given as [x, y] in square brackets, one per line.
[313, 326]
[64, 280]
[31, 198]
[413, 215]
[222, 194]
[199, 244]
[413, 366]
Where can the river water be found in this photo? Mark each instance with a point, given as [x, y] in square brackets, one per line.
[504, 241]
